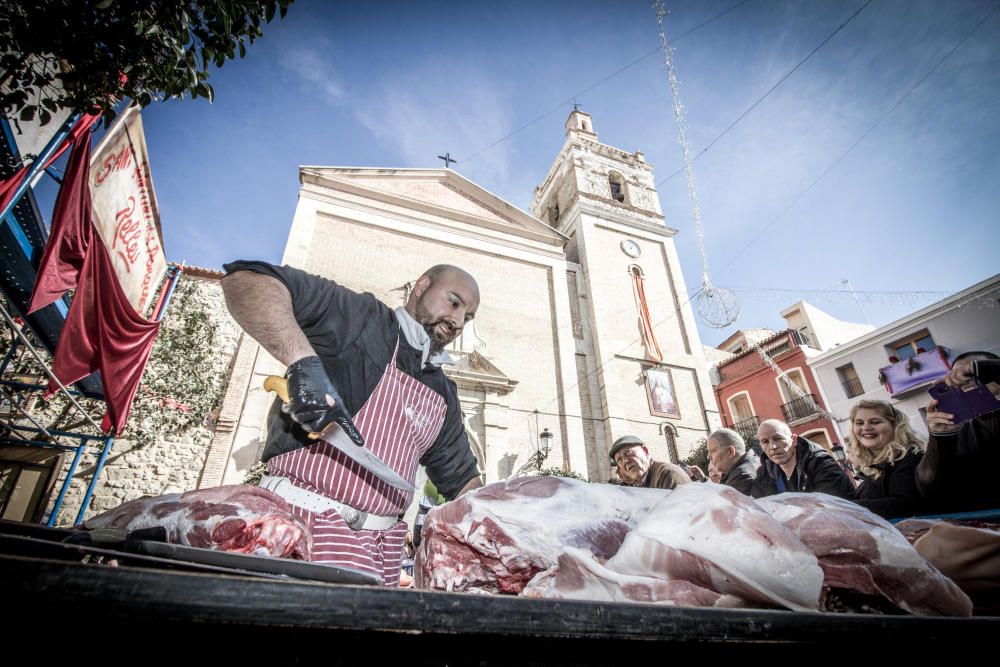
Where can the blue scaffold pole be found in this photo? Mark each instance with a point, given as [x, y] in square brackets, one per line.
[175, 274]
[39, 163]
[108, 442]
[65, 487]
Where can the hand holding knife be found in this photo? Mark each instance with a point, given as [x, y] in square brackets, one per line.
[312, 401]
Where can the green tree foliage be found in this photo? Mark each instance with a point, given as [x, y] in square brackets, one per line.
[182, 384]
[699, 455]
[559, 472]
[71, 54]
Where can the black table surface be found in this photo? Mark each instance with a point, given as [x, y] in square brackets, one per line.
[286, 621]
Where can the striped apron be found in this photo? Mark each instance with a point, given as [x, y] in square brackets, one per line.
[399, 421]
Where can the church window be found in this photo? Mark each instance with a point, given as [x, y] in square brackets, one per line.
[617, 184]
[670, 435]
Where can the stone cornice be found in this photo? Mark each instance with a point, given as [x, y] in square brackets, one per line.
[512, 221]
[624, 214]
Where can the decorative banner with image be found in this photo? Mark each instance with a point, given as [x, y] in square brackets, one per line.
[660, 392]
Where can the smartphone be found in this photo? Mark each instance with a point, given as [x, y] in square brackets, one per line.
[964, 405]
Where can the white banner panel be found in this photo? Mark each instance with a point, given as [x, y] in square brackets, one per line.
[125, 211]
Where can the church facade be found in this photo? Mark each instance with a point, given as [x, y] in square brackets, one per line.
[584, 329]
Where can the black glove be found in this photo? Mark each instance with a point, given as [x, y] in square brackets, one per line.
[308, 388]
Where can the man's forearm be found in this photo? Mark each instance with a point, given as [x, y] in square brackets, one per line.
[474, 483]
[262, 306]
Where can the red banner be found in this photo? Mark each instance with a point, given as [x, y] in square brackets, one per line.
[104, 333]
[71, 230]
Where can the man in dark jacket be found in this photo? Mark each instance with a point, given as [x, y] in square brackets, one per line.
[635, 467]
[728, 452]
[795, 464]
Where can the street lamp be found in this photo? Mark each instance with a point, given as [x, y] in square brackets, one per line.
[535, 461]
[545, 443]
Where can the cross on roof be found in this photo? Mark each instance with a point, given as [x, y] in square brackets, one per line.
[448, 159]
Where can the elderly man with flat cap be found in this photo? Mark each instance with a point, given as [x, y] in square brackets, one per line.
[631, 458]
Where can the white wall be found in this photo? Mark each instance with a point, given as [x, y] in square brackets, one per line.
[969, 320]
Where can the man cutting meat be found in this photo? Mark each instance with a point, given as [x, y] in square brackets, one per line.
[386, 367]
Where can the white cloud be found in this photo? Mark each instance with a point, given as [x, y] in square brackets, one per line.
[435, 106]
[314, 70]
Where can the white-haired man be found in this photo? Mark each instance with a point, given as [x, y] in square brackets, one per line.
[727, 451]
[795, 464]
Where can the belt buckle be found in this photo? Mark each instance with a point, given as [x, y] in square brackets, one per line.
[355, 518]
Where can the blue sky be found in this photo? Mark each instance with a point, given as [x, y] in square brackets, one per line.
[911, 208]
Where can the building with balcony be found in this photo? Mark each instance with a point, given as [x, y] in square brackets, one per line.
[901, 360]
[748, 390]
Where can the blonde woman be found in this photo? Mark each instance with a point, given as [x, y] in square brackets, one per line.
[888, 451]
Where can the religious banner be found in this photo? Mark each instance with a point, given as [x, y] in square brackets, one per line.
[124, 209]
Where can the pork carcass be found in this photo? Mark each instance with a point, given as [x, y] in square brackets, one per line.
[862, 552]
[237, 518]
[497, 538]
[714, 537]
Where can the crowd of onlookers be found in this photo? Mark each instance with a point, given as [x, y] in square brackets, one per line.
[890, 468]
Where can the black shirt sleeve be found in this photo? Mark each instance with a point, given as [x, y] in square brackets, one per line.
[450, 462]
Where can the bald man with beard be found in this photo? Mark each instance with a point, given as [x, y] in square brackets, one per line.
[386, 366]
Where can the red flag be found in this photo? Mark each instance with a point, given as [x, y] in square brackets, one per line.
[70, 234]
[104, 332]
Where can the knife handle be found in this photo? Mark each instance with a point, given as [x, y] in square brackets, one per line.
[279, 385]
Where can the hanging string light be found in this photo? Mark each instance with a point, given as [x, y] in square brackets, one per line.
[718, 307]
[800, 394]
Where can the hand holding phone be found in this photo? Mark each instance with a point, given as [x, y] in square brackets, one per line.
[963, 405]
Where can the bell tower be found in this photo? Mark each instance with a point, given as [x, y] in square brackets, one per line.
[641, 369]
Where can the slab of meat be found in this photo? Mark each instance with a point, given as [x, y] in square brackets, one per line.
[238, 518]
[580, 576]
[497, 538]
[714, 537]
[863, 552]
